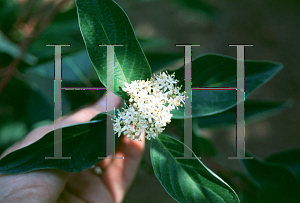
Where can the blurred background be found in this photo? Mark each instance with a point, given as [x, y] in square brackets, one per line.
[272, 26]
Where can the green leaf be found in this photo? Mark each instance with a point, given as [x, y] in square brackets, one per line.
[212, 70]
[254, 110]
[75, 68]
[158, 61]
[105, 23]
[290, 157]
[186, 180]
[39, 108]
[12, 132]
[84, 143]
[276, 182]
[41, 123]
[13, 50]
[77, 71]
[8, 14]
[203, 147]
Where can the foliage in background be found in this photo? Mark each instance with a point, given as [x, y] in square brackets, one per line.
[26, 71]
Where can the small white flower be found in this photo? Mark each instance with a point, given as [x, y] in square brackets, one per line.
[150, 105]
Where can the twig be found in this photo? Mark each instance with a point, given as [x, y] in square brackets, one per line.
[12, 67]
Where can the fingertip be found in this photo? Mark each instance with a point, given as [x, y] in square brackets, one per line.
[131, 148]
[118, 173]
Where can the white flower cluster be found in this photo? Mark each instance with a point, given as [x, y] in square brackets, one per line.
[149, 107]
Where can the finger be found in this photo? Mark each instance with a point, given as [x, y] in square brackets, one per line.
[119, 173]
[88, 113]
[37, 186]
[82, 115]
[89, 187]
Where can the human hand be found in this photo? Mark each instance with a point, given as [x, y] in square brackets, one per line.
[53, 185]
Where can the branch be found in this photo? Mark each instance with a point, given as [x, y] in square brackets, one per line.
[24, 44]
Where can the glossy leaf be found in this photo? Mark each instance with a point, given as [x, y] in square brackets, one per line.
[105, 23]
[212, 70]
[186, 180]
[254, 110]
[84, 143]
[276, 182]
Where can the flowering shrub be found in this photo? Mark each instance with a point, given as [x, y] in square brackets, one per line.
[150, 106]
